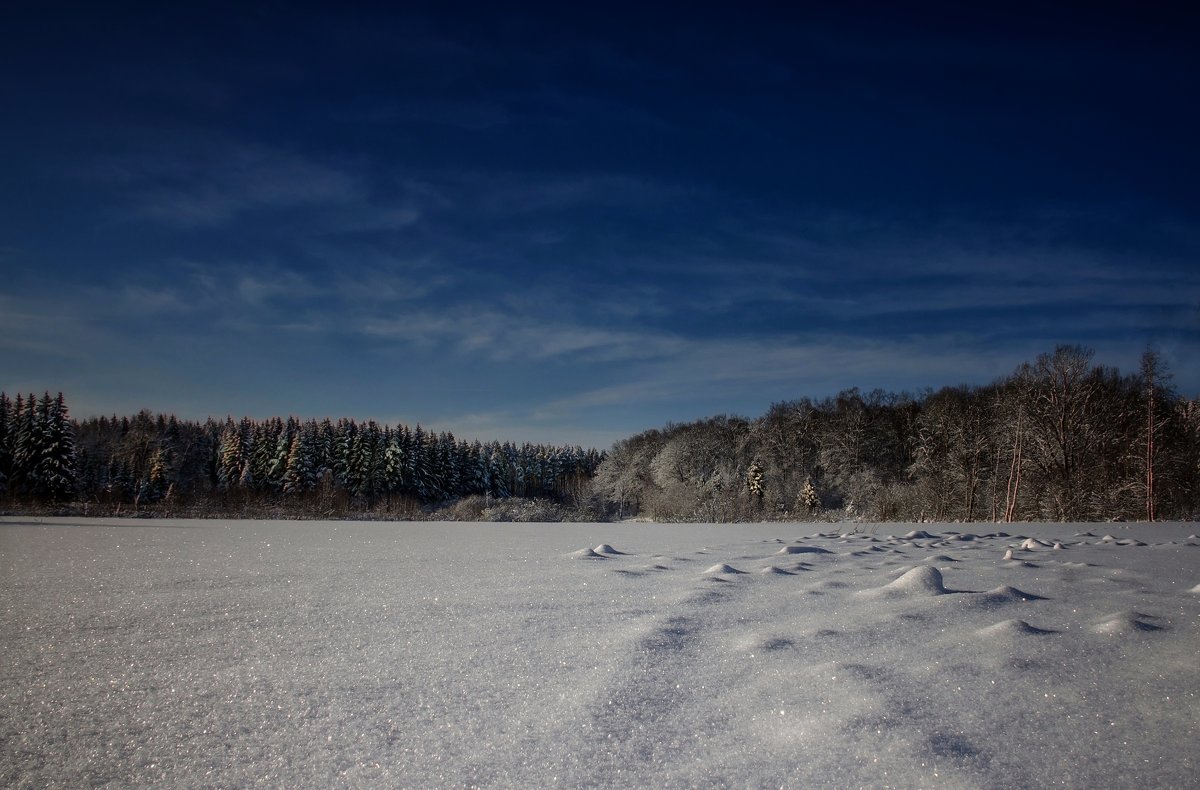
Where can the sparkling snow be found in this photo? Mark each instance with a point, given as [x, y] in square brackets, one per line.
[225, 653]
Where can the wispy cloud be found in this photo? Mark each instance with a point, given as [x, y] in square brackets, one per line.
[198, 182]
[504, 337]
[746, 376]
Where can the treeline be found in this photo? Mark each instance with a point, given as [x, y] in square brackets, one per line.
[317, 467]
[1058, 439]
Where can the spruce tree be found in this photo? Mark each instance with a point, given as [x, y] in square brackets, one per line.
[393, 463]
[55, 473]
[229, 450]
[300, 477]
[5, 446]
[809, 500]
[156, 482]
[25, 445]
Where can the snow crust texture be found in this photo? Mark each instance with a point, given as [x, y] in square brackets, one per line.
[235, 654]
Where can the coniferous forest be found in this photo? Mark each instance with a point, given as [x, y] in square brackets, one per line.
[1058, 439]
[161, 464]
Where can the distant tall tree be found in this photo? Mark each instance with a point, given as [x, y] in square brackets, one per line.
[754, 483]
[953, 451]
[55, 472]
[230, 454]
[25, 442]
[277, 468]
[300, 477]
[1154, 379]
[809, 500]
[1062, 425]
[6, 422]
[156, 483]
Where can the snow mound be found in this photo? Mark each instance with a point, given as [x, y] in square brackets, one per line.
[1126, 624]
[1002, 595]
[1058, 545]
[605, 548]
[1120, 541]
[587, 554]
[803, 550]
[940, 558]
[1030, 544]
[773, 569]
[722, 567]
[1195, 589]
[919, 534]
[1013, 627]
[923, 580]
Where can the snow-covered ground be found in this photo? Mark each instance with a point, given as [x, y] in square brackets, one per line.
[304, 654]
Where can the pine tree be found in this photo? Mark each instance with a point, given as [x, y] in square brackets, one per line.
[365, 464]
[300, 477]
[156, 483]
[55, 474]
[120, 485]
[393, 463]
[424, 485]
[754, 480]
[24, 444]
[343, 453]
[477, 463]
[5, 442]
[229, 461]
[266, 435]
[277, 469]
[323, 449]
[247, 448]
[808, 497]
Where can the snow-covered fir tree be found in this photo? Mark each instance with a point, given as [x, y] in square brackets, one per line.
[300, 476]
[55, 472]
[5, 442]
[808, 499]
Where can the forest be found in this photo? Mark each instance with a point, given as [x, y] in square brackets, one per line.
[160, 464]
[1058, 439]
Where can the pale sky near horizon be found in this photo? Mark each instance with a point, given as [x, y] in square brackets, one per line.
[546, 224]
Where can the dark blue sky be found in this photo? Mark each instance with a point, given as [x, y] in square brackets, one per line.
[561, 225]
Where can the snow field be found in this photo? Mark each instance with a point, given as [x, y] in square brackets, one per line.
[362, 654]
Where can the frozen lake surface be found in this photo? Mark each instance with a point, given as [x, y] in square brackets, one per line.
[316, 654]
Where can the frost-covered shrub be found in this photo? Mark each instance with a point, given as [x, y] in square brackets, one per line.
[469, 508]
[524, 510]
